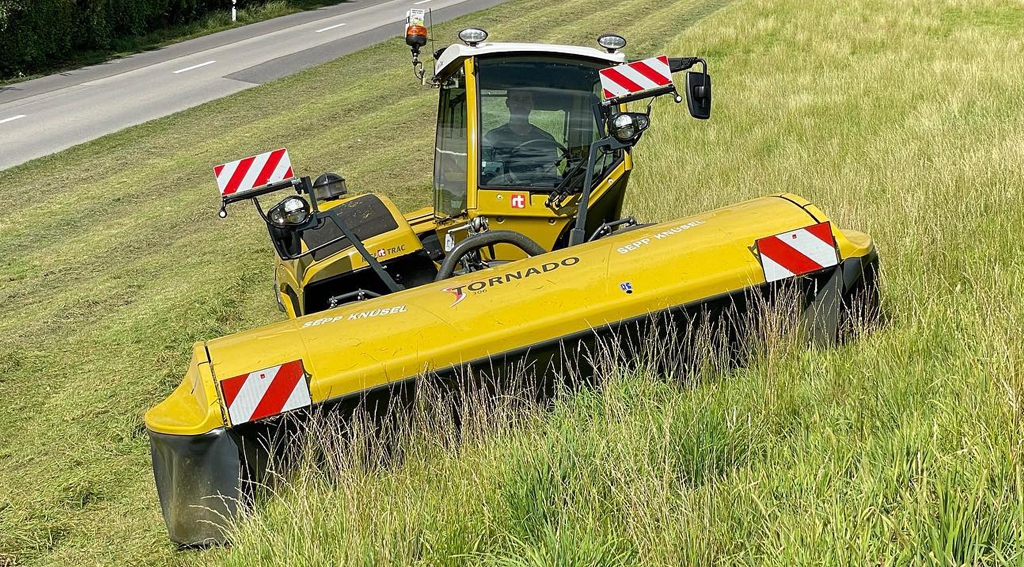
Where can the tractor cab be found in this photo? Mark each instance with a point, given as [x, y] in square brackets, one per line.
[515, 123]
[532, 154]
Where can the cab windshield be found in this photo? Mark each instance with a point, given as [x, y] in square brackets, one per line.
[538, 117]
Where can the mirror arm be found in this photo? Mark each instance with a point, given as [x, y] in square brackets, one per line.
[259, 209]
[703, 69]
[677, 64]
[612, 102]
[269, 188]
[390, 282]
[305, 185]
[295, 182]
[578, 234]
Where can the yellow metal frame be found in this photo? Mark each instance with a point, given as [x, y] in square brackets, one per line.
[362, 345]
[472, 137]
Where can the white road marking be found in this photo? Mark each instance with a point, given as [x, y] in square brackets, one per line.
[194, 67]
[420, 2]
[329, 28]
[12, 119]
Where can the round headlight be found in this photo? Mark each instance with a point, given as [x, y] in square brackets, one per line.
[292, 211]
[611, 42]
[623, 127]
[472, 36]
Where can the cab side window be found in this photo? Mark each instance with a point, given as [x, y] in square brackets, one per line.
[450, 156]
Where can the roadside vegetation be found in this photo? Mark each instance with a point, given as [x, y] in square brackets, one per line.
[39, 56]
[903, 118]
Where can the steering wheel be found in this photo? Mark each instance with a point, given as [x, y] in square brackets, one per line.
[520, 155]
[477, 241]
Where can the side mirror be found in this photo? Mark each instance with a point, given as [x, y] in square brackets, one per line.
[698, 94]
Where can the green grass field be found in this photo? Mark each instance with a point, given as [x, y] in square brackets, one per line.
[901, 118]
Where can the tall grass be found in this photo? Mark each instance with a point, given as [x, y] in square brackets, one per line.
[901, 447]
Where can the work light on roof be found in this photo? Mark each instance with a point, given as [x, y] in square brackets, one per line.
[472, 36]
[611, 42]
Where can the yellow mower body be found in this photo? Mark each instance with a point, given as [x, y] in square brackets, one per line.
[365, 345]
[524, 314]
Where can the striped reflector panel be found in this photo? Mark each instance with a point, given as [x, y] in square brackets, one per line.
[798, 252]
[636, 77]
[266, 393]
[253, 172]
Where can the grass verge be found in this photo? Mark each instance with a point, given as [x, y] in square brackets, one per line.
[902, 447]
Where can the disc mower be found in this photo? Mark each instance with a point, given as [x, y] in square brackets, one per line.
[523, 257]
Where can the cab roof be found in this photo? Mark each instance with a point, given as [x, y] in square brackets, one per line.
[457, 53]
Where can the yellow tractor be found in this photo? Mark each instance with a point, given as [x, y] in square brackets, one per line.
[523, 257]
[524, 163]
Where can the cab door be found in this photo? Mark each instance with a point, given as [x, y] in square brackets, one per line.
[451, 160]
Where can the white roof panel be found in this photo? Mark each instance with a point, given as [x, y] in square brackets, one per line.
[456, 53]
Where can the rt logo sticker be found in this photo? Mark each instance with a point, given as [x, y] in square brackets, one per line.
[518, 201]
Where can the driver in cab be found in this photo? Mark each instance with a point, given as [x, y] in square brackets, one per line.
[527, 152]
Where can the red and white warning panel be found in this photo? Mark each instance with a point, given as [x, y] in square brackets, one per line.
[636, 77]
[798, 252]
[266, 393]
[252, 172]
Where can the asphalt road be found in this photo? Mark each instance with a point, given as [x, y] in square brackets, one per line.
[49, 114]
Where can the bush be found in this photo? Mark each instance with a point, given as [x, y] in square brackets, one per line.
[32, 35]
[36, 33]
